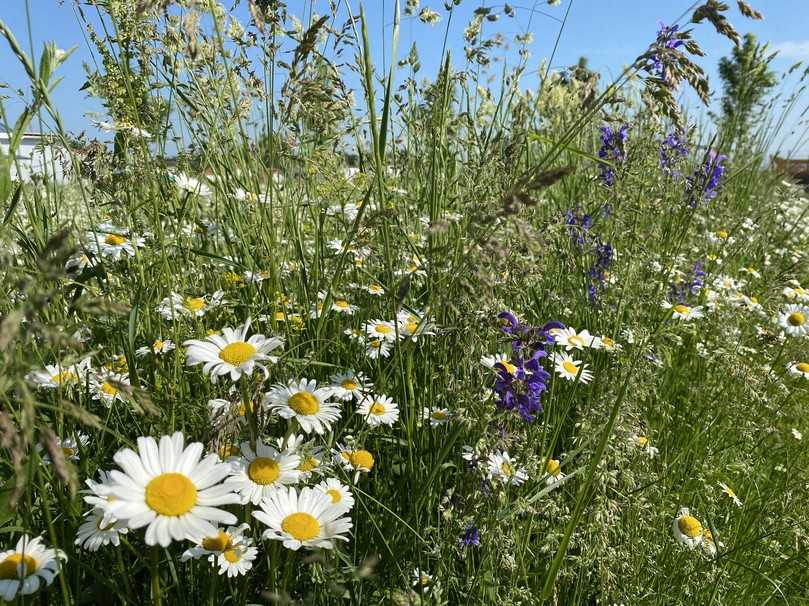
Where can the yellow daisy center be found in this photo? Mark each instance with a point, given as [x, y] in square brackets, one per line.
[722, 234]
[109, 389]
[575, 340]
[510, 368]
[349, 384]
[643, 440]
[375, 288]
[220, 542]
[439, 415]
[796, 318]
[341, 303]
[232, 555]
[383, 329]
[802, 366]
[301, 526]
[682, 309]
[729, 491]
[361, 458]
[570, 367]
[68, 452]
[608, 342]
[237, 353]
[114, 240]
[376, 343]
[507, 469]
[194, 303]
[309, 464]
[689, 526]
[304, 403]
[553, 467]
[171, 494]
[377, 409]
[264, 471]
[64, 377]
[158, 345]
[335, 495]
[411, 327]
[10, 567]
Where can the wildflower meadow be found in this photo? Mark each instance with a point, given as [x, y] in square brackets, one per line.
[303, 322]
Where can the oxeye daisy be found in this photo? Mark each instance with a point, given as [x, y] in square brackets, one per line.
[500, 359]
[109, 387]
[256, 475]
[414, 325]
[55, 376]
[680, 311]
[305, 402]
[99, 530]
[357, 460]
[311, 461]
[232, 353]
[436, 415]
[606, 343]
[350, 384]
[308, 519]
[381, 330]
[500, 466]
[338, 492]
[375, 289]
[70, 446]
[378, 410]
[227, 414]
[794, 319]
[167, 488]
[799, 369]
[422, 580]
[190, 184]
[377, 348]
[178, 306]
[228, 548]
[343, 306]
[796, 293]
[113, 244]
[687, 529]
[644, 444]
[159, 346]
[27, 567]
[731, 494]
[553, 472]
[570, 369]
[709, 544]
[569, 338]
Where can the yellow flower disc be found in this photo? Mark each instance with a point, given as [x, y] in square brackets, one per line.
[10, 567]
[264, 471]
[304, 403]
[237, 353]
[301, 526]
[171, 494]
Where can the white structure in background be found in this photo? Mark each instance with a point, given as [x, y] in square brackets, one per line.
[35, 156]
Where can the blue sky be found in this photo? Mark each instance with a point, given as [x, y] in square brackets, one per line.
[610, 33]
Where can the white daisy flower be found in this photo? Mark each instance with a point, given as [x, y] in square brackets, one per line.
[228, 548]
[232, 353]
[306, 403]
[378, 410]
[70, 446]
[113, 245]
[796, 293]
[170, 490]
[414, 325]
[375, 289]
[644, 443]
[606, 343]
[799, 369]
[570, 369]
[380, 330]
[377, 348]
[109, 387]
[27, 567]
[159, 346]
[794, 319]
[683, 312]
[500, 466]
[311, 461]
[191, 185]
[178, 306]
[308, 519]
[99, 530]
[356, 460]
[342, 306]
[350, 384]
[422, 580]
[499, 358]
[709, 545]
[731, 494]
[256, 475]
[436, 415]
[339, 493]
[54, 376]
[569, 338]
[687, 529]
[553, 472]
